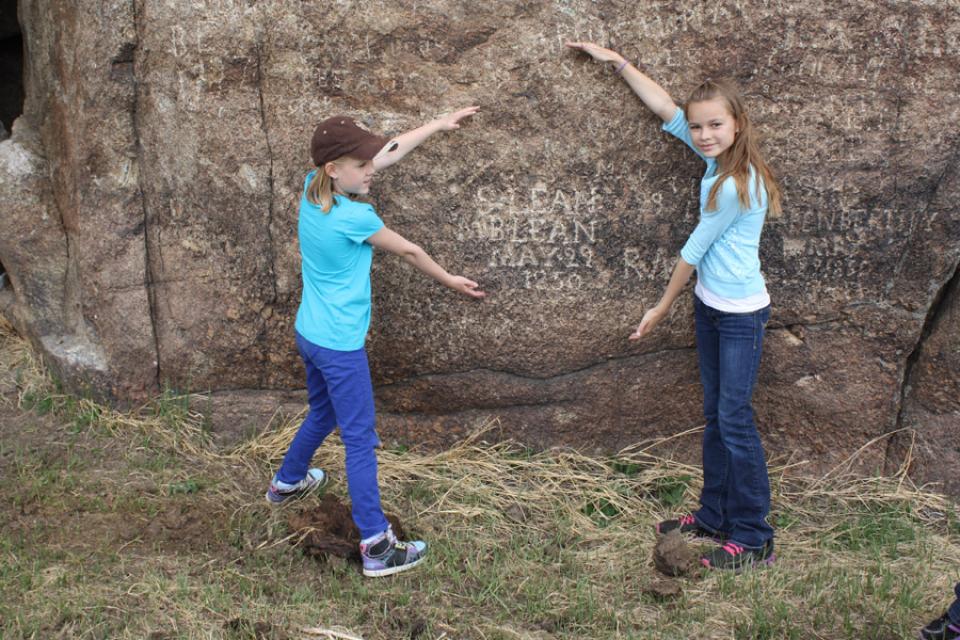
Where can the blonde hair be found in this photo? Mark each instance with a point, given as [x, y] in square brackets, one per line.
[742, 154]
[320, 189]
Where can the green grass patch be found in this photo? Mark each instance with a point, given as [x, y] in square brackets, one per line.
[183, 487]
[877, 529]
[670, 490]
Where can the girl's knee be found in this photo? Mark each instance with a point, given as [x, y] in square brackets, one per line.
[320, 421]
[359, 438]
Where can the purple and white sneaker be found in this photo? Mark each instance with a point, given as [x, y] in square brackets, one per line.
[386, 555]
[943, 628]
[280, 492]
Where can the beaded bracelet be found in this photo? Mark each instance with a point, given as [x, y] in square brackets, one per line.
[622, 65]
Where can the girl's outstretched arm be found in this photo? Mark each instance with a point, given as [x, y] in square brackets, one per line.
[652, 94]
[681, 274]
[403, 144]
[394, 243]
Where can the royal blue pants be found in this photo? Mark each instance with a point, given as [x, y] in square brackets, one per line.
[735, 499]
[340, 393]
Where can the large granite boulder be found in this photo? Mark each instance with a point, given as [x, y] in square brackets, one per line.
[149, 208]
[928, 444]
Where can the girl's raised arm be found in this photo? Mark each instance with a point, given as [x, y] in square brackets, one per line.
[403, 144]
[652, 94]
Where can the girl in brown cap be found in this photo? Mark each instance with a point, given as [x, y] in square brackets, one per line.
[337, 235]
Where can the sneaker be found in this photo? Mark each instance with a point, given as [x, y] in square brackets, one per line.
[386, 555]
[281, 491]
[943, 628]
[687, 524]
[732, 556]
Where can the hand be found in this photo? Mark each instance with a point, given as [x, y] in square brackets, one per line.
[466, 286]
[597, 52]
[452, 121]
[650, 320]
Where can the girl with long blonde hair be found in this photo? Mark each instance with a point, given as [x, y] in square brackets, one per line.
[737, 192]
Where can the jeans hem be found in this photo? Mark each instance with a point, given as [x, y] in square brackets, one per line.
[751, 547]
[708, 528]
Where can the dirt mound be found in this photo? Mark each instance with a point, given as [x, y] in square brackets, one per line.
[328, 530]
[673, 556]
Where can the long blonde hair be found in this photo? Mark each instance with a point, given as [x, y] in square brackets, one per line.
[320, 189]
[742, 154]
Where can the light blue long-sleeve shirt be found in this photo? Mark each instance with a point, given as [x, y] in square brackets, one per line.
[725, 245]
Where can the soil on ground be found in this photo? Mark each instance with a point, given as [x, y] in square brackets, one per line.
[80, 500]
[328, 530]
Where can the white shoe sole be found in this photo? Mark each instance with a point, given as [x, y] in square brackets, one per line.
[301, 494]
[389, 571]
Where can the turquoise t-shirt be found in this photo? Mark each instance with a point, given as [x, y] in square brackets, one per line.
[335, 305]
[725, 245]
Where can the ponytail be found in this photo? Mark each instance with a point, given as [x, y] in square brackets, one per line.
[320, 190]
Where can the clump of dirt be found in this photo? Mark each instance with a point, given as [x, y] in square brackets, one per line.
[662, 589]
[328, 530]
[672, 555]
[184, 525]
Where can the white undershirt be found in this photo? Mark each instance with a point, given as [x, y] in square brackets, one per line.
[732, 305]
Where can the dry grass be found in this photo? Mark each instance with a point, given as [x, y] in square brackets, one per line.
[525, 544]
[20, 370]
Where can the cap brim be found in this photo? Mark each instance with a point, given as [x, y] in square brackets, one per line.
[370, 147]
[386, 150]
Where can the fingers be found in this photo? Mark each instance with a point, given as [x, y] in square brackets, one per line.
[469, 288]
[587, 47]
[595, 51]
[464, 113]
[647, 324]
[473, 291]
[450, 122]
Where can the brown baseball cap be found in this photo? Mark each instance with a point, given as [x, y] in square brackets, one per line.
[340, 136]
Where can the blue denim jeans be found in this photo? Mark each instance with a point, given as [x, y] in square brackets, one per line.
[954, 610]
[340, 393]
[735, 499]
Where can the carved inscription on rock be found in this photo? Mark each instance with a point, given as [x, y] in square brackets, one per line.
[544, 237]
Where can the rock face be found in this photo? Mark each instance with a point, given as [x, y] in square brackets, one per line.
[149, 207]
[929, 444]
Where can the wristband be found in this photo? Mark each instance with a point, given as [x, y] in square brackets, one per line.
[621, 67]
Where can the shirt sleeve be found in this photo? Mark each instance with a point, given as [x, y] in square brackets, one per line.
[364, 222]
[712, 224]
[679, 128]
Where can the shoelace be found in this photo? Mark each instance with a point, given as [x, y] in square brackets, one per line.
[733, 548]
[685, 520]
